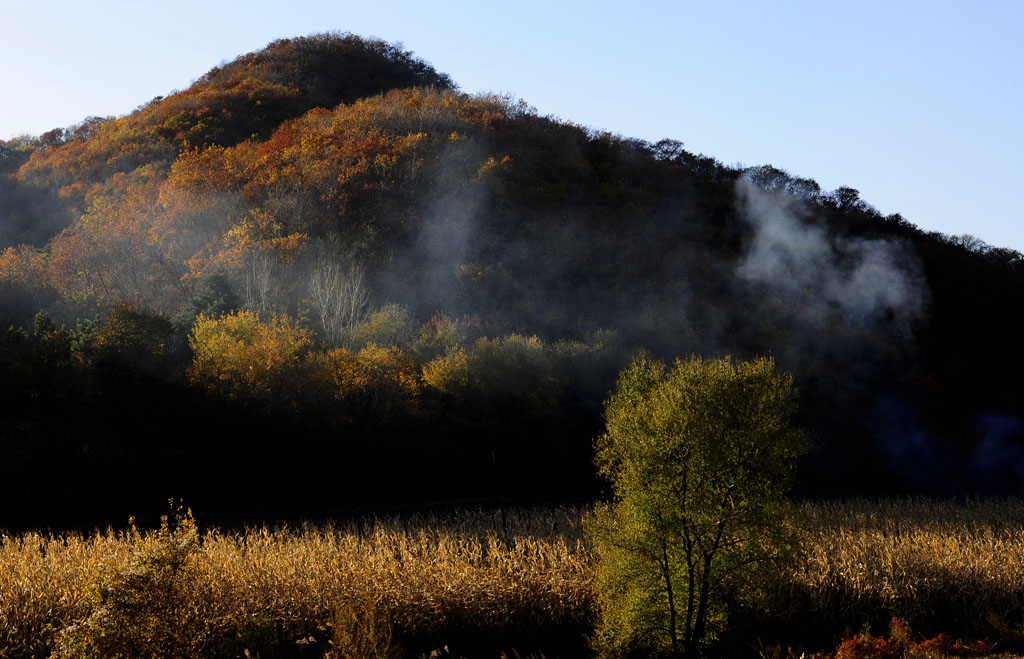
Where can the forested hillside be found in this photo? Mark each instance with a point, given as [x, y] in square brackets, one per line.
[322, 277]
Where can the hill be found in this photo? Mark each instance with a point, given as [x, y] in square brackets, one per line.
[439, 288]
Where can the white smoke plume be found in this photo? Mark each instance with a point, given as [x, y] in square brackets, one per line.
[864, 278]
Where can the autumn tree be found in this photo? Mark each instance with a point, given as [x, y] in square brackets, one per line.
[438, 335]
[512, 378]
[239, 356]
[108, 254]
[699, 458]
[373, 386]
[132, 335]
[391, 325]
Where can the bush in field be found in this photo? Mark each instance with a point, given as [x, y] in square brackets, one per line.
[901, 645]
[142, 611]
[160, 607]
[699, 459]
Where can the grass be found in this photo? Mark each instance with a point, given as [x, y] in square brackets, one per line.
[939, 565]
[483, 582]
[484, 577]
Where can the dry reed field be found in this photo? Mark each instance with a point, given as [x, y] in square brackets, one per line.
[438, 578]
[939, 565]
[433, 577]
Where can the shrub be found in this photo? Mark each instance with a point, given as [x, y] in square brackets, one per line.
[900, 645]
[142, 611]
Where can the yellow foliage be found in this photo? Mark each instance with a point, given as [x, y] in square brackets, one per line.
[238, 355]
[351, 371]
[513, 370]
[260, 230]
[374, 382]
[449, 372]
[254, 231]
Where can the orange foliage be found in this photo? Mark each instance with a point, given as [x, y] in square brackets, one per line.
[117, 145]
[228, 112]
[112, 253]
[178, 185]
[23, 265]
[327, 165]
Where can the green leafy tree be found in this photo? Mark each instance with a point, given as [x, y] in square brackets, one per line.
[212, 296]
[51, 343]
[699, 458]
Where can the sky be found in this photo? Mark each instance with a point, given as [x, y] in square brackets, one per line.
[918, 105]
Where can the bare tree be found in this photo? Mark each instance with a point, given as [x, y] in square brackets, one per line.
[338, 290]
[261, 286]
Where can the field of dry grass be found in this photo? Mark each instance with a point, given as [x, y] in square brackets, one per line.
[433, 577]
[935, 564]
[436, 578]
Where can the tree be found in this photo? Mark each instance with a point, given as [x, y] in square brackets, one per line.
[699, 458]
[509, 377]
[261, 281]
[339, 295]
[846, 198]
[239, 356]
[211, 297]
[374, 386]
[391, 325]
[135, 337]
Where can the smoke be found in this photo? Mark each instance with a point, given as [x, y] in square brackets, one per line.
[909, 451]
[29, 215]
[842, 309]
[922, 461]
[998, 459]
[868, 280]
[449, 222]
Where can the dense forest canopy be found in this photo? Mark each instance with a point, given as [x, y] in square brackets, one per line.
[324, 264]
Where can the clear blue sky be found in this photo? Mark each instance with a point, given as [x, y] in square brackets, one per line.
[919, 105]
